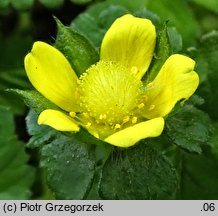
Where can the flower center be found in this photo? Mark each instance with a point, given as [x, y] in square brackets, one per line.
[110, 93]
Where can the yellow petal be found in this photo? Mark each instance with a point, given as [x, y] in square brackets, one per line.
[131, 135]
[175, 81]
[57, 120]
[51, 74]
[130, 41]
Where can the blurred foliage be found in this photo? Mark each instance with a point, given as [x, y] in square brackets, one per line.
[27, 4]
[206, 56]
[199, 177]
[16, 177]
[12, 74]
[180, 164]
[209, 4]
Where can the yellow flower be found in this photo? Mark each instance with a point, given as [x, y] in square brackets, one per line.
[109, 99]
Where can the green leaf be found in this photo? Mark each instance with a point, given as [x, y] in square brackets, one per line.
[189, 129]
[87, 25]
[96, 20]
[52, 3]
[109, 15]
[162, 52]
[175, 39]
[199, 177]
[145, 13]
[209, 4]
[206, 57]
[40, 134]
[129, 4]
[70, 167]
[77, 49]
[138, 173]
[16, 177]
[35, 100]
[94, 191]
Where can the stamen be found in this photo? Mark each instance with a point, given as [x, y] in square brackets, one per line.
[72, 114]
[117, 126]
[141, 105]
[145, 97]
[86, 115]
[126, 119]
[134, 119]
[134, 70]
[151, 107]
[109, 92]
[102, 116]
[88, 125]
[150, 85]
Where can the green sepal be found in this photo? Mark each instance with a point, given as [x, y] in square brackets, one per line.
[175, 39]
[34, 100]
[140, 172]
[78, 50]
[162, 52]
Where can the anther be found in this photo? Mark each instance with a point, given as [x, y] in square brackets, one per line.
[102, 116]
[151, 107]
[126, 119]
[145, 97]
[72, 114]
[117, 126]
[141, 105]
[97, 121]
[88, 125]
[150, 85]
[134, 119]
[134, 70]
[86, 115]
